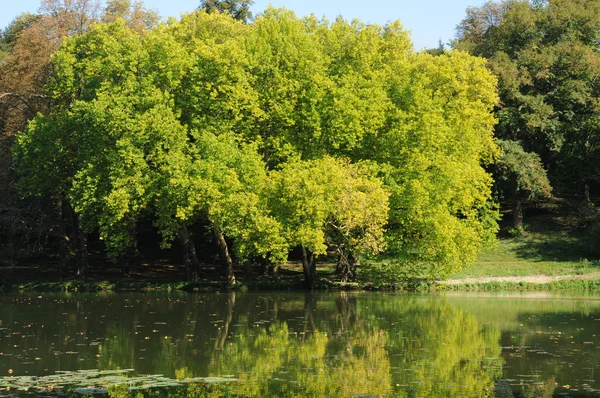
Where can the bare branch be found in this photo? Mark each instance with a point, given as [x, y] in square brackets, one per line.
[25, 98]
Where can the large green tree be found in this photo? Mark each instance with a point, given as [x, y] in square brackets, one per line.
[329, 203]
[106, 137]
[546, 59]
[279, 134]
[309, 88]
[29, 42]
[522, 176]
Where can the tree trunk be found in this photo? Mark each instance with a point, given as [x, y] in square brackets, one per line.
[586, 193]
[226, 261]
[132, 254]
[517, 205]
[248, 269]
[125, 265]
[273, 269]
[80, 239]
[309, 267]
[82, 258]
[346, 266]
[264, 266]
[62, 238]
[190, 258]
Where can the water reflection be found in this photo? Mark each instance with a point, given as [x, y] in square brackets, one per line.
[317, 345]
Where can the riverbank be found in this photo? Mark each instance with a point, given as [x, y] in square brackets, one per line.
[512, 283]
[553, 254]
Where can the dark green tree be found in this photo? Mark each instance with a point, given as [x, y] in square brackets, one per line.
[238, 9]
[523, 177]
[546, 59]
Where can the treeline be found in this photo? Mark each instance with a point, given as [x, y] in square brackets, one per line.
[281, 134]
[547, 60]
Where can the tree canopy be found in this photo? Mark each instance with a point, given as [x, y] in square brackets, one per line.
[238, 9]
[546, 59]
[283, 133]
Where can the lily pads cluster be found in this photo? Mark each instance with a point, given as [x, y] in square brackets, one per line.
[94, 382]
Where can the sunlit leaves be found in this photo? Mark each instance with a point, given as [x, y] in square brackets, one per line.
[281, 133]
[329, 202]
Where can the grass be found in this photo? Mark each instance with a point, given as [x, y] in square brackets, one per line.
[529, 255]
[555, 243]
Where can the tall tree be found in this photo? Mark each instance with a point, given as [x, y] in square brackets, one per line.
[329, 203]
[29, 42]
[545, 56]
[73, 16]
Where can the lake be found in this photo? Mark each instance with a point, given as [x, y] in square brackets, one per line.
[313, 344]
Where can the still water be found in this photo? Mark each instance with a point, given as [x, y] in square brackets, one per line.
[334, 344]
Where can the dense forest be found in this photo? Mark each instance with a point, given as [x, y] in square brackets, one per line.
[271, 137]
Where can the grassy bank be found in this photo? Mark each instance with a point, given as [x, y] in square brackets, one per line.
[556, 242]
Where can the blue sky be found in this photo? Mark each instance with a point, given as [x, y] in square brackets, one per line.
[429, 20]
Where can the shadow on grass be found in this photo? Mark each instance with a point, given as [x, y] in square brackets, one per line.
[554, 233]
[552, 247]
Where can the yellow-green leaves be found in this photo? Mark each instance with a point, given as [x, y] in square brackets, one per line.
[329, 202]
[280, 133]
[440, 135]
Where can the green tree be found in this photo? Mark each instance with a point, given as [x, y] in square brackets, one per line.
[329, 203]
[224, 183]
[437, 137]
[104, 138]
[31, 40]
[545, 57]
[525, 177]
[238, 9]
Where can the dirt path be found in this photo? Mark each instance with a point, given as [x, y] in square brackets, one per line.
[519, 279]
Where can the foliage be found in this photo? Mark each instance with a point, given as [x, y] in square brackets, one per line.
[329, 202]
[238, 9]
[281, 133]
[73, 16]
[12, 31]
[111, 135]
[25, 68]
[309, 88]
[225, 184]
[440, 135]
[545, 56]
[524, 167]
[132, 12]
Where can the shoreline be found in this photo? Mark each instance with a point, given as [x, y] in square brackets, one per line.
[588, 282]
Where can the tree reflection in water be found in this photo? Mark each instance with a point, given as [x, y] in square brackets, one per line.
[400, 348]
[314, 345]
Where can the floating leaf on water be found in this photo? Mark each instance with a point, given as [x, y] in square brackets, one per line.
[96, 382]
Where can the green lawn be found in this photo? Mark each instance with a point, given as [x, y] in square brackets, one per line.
[552, 246]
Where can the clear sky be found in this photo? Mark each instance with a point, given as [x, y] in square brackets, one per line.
[429, 20]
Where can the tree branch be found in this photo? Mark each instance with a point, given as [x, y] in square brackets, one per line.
[25, 98]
